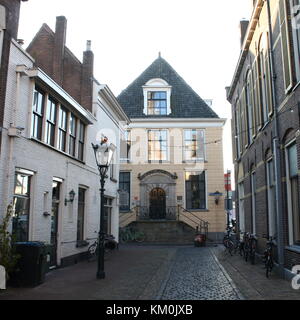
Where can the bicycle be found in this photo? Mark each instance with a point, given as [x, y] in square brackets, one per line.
[230, 242]
[268, 256]
[109, 245]
[250, 243]
[128, 234]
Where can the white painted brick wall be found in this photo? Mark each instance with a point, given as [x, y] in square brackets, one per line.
[48, 163]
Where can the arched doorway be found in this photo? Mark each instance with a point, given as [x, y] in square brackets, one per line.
[157, 209]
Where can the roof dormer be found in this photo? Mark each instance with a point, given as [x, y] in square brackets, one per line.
[157, 98]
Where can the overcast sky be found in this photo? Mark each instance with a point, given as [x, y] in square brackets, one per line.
[199, 38]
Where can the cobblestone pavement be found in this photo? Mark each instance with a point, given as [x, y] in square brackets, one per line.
[197, 275]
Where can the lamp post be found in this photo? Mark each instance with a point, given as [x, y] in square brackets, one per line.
[103, 155]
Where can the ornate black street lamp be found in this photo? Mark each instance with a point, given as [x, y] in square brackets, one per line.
[103, 155]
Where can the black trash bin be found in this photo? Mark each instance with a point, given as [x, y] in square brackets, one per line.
[31, 267]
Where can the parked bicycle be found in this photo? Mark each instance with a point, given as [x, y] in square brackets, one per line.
[129, 234]
[230, 241]
[250, 244]
[109, 244]
[268, 256]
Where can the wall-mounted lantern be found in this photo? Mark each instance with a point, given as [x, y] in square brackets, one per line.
[217, 195]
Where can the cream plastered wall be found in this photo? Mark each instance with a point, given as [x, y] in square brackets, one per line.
[213, 165]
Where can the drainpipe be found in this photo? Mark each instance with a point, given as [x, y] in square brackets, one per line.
[277, 158]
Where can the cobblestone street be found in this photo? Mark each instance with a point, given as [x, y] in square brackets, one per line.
[160, 273]
[197, 275]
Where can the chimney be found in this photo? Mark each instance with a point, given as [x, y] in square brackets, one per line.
[59, 49]
[244, 27]
[87, 75]
[12, 8]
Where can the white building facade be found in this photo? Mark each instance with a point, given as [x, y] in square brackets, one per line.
[47, 157]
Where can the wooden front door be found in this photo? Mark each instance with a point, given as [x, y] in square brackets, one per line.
[157, 208]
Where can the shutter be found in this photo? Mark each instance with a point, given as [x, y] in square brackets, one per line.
[253, 78]
[251, 123]
[285, 46]
[257, 97]
[240, 133]
[245, 120]
[269, 85]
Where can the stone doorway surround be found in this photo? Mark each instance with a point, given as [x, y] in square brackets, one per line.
[156, 179]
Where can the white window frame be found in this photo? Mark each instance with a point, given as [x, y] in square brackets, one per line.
[123, 135]
[272, 222]
[241, 190]
[253, 202]
[2, 28]
[289, 196]
[168, 147]
[206, 190]
[204, 146]
[157, 85]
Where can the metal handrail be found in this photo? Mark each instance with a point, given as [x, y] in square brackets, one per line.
[132, 213]
[194, 215]
[202, 224]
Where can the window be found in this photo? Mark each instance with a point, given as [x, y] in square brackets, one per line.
[157, 103]
[72, 137]
[80, 216]
[285, 45]
[157, 145]
[241, 207]
[157, 97]
[51, 121]
[253, 201]
[125, 146]
[112, 169]
[194, 145]
[249, 104]
[81, 138]
[293, 194]
[295, 12]
[271, 198]
[108, 203]
[124, 186]
[62, 130]
[195, 185]
[37, 114]
[21, 207]
[262, 81]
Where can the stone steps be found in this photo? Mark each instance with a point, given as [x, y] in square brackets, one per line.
[165, 232]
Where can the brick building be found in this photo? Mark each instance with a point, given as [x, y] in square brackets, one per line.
[265, 97]
[54, 110]
[172, 160]
[9, 24]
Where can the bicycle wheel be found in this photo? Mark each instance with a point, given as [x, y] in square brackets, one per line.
[230, 247]
[139, 237]
[269, 267]
[92, 252]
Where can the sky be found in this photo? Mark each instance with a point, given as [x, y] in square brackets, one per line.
[199, 38]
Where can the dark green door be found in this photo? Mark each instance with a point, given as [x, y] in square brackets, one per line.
[54, 222]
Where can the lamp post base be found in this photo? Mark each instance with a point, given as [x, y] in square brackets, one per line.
[100, 275]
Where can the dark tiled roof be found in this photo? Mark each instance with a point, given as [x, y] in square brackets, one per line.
[185, 102]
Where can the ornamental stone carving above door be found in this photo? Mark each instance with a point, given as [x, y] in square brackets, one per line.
[157, 179]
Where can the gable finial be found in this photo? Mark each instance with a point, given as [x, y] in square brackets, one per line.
[159, 54]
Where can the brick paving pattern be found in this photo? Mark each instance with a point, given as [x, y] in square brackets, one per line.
[197, 275]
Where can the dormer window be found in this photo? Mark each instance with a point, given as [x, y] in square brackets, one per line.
[157, 103]
[157, 96]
